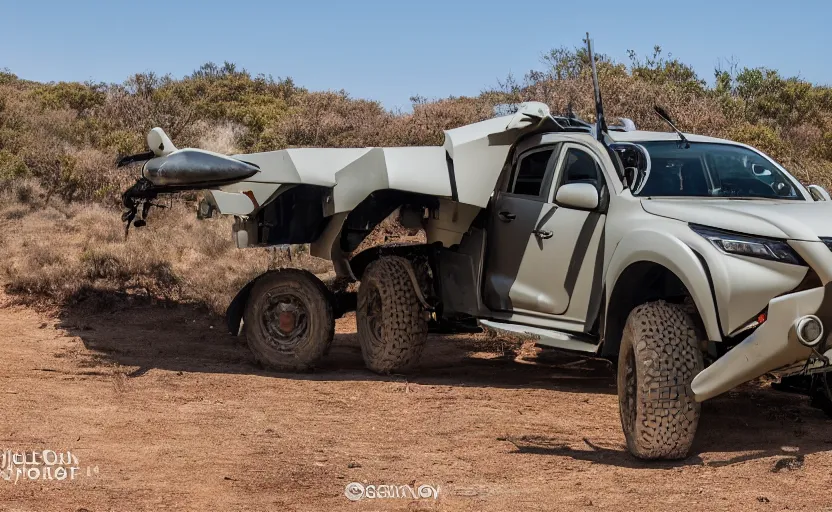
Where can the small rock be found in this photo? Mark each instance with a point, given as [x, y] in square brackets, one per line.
[788, 464]
[43, 326]
[180, 373]
[763, 499]
[353, 465]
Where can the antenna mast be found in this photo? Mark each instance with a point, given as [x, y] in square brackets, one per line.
[600, 122]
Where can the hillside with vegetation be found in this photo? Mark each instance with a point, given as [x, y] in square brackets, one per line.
[61, 237]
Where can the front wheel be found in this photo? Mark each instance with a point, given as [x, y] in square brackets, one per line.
[288, 320]
[660, 355]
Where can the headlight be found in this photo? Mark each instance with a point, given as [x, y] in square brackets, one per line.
[755, 247]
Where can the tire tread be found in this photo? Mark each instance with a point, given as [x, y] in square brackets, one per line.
[665, 341]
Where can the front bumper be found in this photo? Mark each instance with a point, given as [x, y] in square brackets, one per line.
[772, 346]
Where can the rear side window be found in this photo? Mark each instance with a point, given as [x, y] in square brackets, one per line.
[580, 167]
[530, 173]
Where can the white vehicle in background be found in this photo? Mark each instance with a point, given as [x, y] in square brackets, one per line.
[696, 263]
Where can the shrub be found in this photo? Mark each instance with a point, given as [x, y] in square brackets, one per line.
[12, 167]
[762, 137]
[59, 142]
[71, 95]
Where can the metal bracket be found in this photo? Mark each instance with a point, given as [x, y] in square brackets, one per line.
[419, 294]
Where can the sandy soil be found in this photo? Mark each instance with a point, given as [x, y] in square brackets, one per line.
[175, 415]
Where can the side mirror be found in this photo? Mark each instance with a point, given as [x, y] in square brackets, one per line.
[583, 196]
[818, 193]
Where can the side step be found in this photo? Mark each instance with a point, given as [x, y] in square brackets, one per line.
[547, 337]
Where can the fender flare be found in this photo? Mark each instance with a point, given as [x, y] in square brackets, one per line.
[234, 312]
[677, 257]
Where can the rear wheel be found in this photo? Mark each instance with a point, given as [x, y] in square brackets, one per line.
[392, 327]
[659, 357]
[288, 320]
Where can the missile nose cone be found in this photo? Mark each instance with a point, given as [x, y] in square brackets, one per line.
[197, 169]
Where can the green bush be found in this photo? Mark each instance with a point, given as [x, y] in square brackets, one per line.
[12, 167]
[823, 149]
[71, 95]
[761, 137]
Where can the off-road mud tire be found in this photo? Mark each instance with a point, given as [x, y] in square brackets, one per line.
[660, 355]
[315, 339]
[392, 325]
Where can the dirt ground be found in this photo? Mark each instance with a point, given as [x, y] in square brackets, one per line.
[163, 410]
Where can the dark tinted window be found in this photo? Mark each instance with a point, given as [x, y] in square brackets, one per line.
[713, 170]
[580, 167]
[530, 173]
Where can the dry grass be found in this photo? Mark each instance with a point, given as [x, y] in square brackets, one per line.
[67, 252]
[60, 234]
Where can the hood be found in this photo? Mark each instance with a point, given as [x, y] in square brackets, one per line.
[796, 220]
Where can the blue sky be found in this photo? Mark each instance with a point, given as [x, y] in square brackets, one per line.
[391, 50]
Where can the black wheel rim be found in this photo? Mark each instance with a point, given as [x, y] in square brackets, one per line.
[285, 319]
[628, 407]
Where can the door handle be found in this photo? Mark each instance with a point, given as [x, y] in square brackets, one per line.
[542, 233]
[507, 216]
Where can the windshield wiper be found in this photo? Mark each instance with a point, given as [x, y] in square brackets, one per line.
[662, 113]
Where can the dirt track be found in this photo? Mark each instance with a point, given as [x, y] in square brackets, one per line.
[175, 415]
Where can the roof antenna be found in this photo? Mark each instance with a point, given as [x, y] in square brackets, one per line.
[662, 113]
[600, 122]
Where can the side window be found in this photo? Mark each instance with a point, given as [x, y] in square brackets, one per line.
[530, 173]
[580, 167]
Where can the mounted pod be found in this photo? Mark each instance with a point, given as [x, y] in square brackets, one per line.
[195, 169]
[168, 170]
[289, 320]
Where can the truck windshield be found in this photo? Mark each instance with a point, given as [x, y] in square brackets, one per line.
[713, 170]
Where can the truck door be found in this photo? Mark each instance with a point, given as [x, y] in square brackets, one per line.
[541, 256]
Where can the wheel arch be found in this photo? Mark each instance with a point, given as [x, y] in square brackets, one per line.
[638, 273]
[347, 230]
[377, 206]
[362, 260]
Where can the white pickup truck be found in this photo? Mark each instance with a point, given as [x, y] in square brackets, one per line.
[696, 263]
